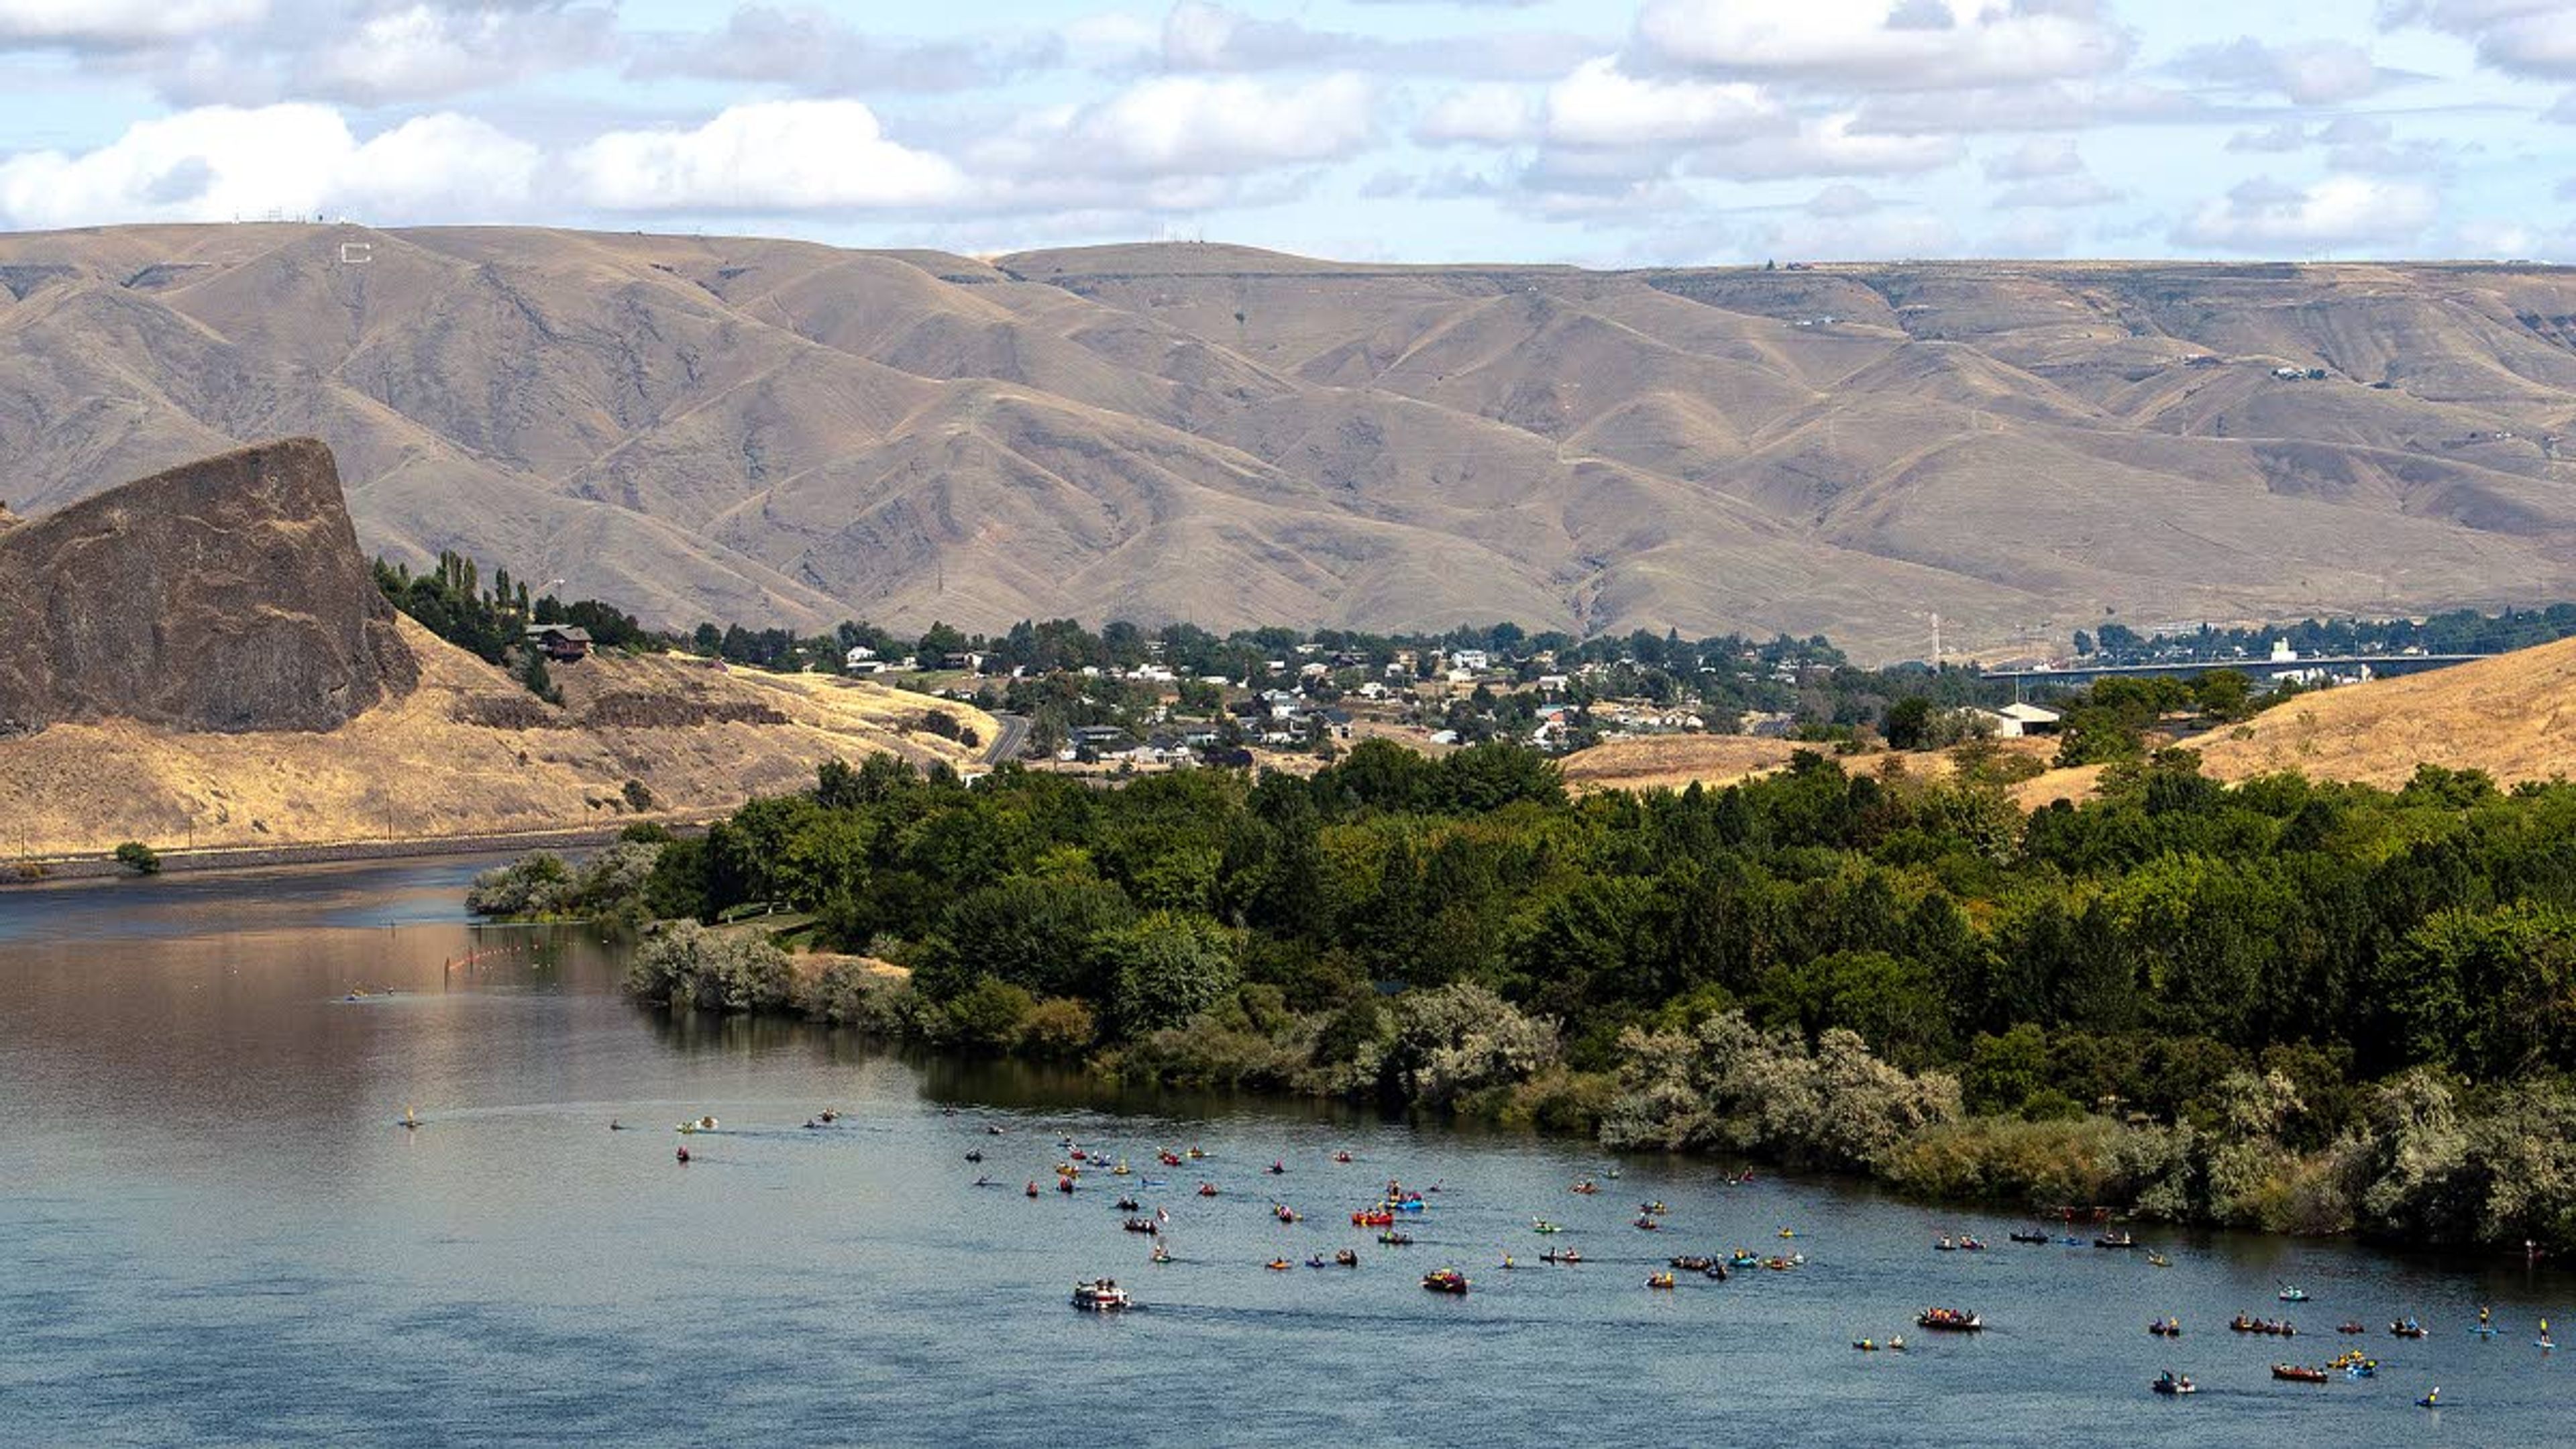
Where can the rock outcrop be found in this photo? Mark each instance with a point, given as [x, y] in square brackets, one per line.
[225, 595]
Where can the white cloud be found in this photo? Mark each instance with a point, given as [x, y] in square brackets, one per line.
[222, 162]
[424, 50]
[768, 156]
[1919, 45]
[1601, 106]
[2047, 156]
[1494, 114]
[2310, 73]
[1202, 36]
[2054, 106]
[1111, 40]
[820, 55]
[2049, 174]
[2287, 136]
[1191, 126]
[121, 22]
[2519, 37]
[2338, 212]
[441, 167]
[2064, 193]
[1841, 199]
[1829, 146]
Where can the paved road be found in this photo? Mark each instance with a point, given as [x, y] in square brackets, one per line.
[1009, 740]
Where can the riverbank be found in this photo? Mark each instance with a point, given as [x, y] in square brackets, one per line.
[41, 870]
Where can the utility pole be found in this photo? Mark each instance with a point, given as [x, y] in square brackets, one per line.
[1936, 641]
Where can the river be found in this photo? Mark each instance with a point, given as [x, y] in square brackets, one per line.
[221, 1235]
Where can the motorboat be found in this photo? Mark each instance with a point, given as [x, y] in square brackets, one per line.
[1949, 1320]
[1101, 1295]
[1445, 1280]
[2298, 1373]
[2289, 1294]
[2173, 1383]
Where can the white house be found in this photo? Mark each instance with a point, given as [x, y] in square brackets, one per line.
[2016, 720]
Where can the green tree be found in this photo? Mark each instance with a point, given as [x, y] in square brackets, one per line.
[1908, 725]
[1164, 968]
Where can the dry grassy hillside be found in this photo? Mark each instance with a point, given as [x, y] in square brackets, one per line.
[467, 752]
[768, 431]
[2513, 716]
[1675, 762]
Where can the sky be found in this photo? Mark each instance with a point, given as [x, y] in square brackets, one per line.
[1600, 132]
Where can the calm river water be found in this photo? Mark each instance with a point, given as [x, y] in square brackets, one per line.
[218, 1234]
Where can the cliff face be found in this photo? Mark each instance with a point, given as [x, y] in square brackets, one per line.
[224, 595]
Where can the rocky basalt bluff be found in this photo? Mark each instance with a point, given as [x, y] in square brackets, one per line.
[225, 595]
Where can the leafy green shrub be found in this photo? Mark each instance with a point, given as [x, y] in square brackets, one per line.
[139, 858]
[688, 966]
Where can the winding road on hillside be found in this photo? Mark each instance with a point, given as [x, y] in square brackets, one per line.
[1009, 740]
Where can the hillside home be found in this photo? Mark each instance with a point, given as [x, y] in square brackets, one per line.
[562, 643]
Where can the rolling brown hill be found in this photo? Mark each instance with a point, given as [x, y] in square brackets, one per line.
[781, 432]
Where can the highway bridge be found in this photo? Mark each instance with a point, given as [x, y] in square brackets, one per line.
[2380, 665]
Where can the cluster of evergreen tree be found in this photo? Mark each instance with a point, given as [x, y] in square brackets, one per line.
[451, 602]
